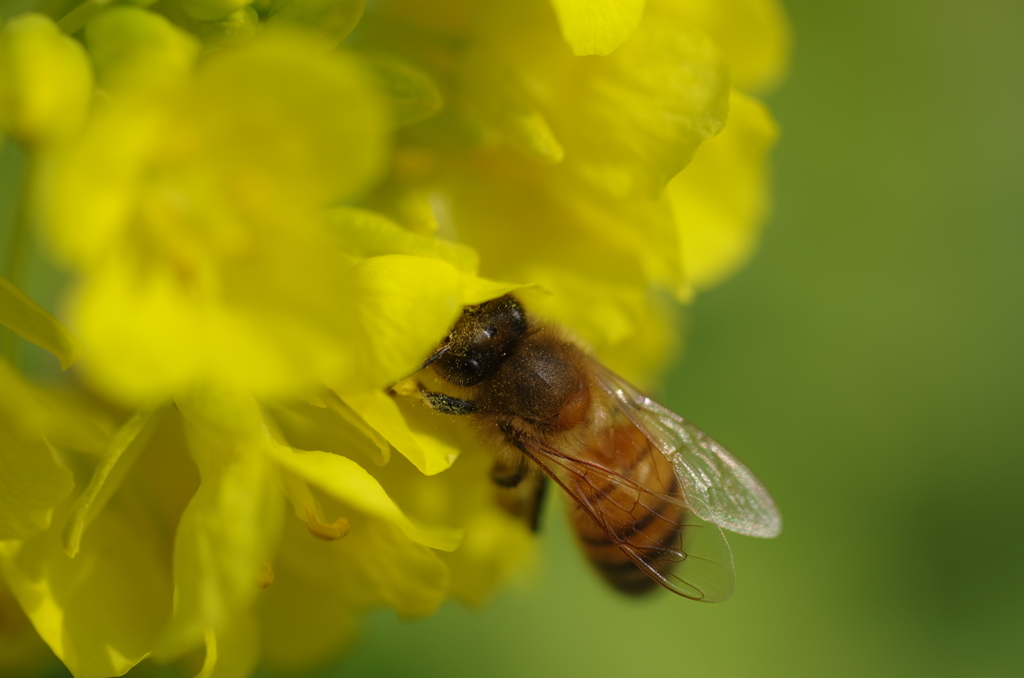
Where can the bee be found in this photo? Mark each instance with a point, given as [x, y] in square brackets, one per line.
[651, 492]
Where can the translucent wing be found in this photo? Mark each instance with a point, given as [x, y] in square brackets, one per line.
[716, 486]
[685, 554]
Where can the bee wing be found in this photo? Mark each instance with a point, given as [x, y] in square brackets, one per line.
[716, 485]
[694, 560]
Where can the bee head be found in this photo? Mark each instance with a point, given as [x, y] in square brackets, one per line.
[479, 340]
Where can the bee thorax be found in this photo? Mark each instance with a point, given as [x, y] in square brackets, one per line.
[538, 384]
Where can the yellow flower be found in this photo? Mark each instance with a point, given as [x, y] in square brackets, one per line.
[264, 229]
[568, 170]
[45, 81]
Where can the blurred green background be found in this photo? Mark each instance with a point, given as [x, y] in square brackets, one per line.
[867, 365]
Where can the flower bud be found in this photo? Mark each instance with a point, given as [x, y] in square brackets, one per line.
[213, 10]
[331, 19]
[235, 29]
[45, 81]
[139, 50]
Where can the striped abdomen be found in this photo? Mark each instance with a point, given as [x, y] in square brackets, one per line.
[619, 512]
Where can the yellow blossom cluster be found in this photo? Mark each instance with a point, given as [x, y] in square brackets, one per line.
[264, 213]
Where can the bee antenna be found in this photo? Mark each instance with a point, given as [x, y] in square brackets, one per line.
[437, 354]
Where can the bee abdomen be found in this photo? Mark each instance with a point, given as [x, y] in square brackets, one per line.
[624, 519]
[654, 535]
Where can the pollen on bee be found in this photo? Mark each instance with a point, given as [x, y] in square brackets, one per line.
[326, 531]
[406, 387]
[266, 576]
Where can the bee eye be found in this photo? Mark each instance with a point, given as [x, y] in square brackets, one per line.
[462, 370]
[480, 340]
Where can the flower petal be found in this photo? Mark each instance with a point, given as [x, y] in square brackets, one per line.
[64, 419]
[86, 191]
[331, 425]
[363, 234]
[23, 652]
[375, 565]
[308, 615]
[597, 26]
[720, 201]
[628, 122]
[496, 544]
[231, 525]
[30, 485]
[349, 483]
[278, 114]
[270, 338]
[232, 652]
[525, 127]
[305, 622]
[406, 306]
[32, 481]
[600, 257]
[410, 92]
[31, 323]
[102, 612]
[125, 446]
[754, 36]
[409, 578]
[427, 452]
[225, 535]
[207, 225]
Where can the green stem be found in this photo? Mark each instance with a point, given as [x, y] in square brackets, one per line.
[18, 254]
[74, 20]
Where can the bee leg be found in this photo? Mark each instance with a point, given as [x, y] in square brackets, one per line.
[512, 436]
[540, 490]
[520, 490]
[446, 404]
[505, 474]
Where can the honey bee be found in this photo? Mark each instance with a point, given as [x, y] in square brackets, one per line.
[651, 492]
